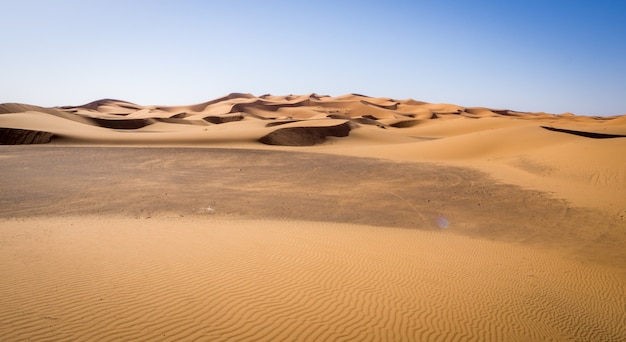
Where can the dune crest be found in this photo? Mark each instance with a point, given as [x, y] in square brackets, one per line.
[243, 112]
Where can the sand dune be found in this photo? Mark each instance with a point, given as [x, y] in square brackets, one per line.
[310, 217]
[121, 115]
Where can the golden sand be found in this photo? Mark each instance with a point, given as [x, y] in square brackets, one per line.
[311, 218]
[87, 278]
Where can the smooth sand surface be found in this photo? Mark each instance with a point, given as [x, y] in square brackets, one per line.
[311, 218]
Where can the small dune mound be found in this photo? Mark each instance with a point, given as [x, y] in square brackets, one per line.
[14, 136]
[305, 136]
[381, 103]
[99, 105]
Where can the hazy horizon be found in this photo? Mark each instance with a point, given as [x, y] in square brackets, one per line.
[555, 57]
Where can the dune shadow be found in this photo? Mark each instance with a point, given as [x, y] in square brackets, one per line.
[585, 134]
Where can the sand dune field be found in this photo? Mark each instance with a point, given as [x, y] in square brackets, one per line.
[310, 218]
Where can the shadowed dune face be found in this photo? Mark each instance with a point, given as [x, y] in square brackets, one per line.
[223, 119]
[592, 135]
[121, 124]
[10, 136]
[140, 182]
[305, 136]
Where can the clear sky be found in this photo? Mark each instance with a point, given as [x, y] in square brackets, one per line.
[529, 55]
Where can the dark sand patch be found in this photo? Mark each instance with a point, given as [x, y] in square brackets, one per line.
[143, 182]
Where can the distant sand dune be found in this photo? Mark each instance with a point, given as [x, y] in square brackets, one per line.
[381, 112]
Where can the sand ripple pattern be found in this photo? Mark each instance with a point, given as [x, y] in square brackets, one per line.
[215, 279]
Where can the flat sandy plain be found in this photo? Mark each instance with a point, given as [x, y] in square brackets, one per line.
[311, 218]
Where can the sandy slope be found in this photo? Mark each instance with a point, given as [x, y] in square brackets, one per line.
[89, 278]
[468, 223]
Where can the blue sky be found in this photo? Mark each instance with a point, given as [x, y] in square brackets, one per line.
[552, 55]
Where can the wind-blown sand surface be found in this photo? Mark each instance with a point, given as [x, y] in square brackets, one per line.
[310, 218]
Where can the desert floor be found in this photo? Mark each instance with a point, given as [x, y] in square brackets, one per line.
[311, 218]
[143, 243]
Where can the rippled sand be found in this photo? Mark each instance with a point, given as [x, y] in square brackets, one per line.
[88, 278]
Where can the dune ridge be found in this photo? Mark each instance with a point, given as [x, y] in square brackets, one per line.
[242, 108]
